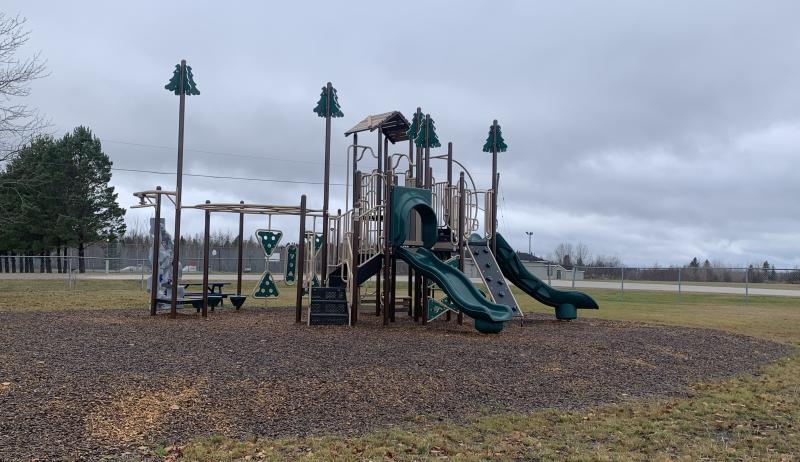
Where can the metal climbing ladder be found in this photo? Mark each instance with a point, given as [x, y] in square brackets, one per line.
[491, 274]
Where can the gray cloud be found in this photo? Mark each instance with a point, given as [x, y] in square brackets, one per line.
[656, 131]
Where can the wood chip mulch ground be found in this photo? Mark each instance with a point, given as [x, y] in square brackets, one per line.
[82, 384]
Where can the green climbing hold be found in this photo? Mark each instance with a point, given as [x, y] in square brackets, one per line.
[266, 287]
[290, 272]
[268, 239]
[189, 87]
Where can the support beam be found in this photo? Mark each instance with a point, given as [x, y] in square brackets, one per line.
[206, 249]
[301, 262]
[462, 220]
[156, 252]
[355, 297]
[381, 217]
[241, 253]
[176, 253]
[493, 228]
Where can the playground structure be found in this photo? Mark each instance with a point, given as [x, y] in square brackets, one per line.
[400, 212]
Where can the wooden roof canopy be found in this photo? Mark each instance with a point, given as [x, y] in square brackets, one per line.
[393, 124]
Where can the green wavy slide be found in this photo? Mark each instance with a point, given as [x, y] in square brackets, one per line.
[566, 302]
[489, 316]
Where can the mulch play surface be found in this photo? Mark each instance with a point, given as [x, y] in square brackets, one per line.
[81, 384]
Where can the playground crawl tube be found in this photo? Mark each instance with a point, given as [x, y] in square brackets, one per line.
[489, 316]
[565, 302]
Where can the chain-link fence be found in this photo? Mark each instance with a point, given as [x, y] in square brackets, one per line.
[223, 262]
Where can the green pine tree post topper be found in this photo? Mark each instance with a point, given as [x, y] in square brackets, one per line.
[189, 87]
[328, 104]
[495, 139]
[430, 130]
[416, 122]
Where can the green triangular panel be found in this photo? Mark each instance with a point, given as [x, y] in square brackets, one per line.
[315, 281]
[266, 287]
[436, 308]
[500, 142]
[290, 272]
[268, 239]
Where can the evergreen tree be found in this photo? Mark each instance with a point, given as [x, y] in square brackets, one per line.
[694, 263]
[91, 210]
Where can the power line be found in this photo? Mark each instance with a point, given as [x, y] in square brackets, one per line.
[214, 153]
[221, 177]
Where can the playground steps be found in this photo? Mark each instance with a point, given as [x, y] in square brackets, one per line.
[491, 274]
[365, 271]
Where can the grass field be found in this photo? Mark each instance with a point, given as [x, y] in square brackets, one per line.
[751, 417]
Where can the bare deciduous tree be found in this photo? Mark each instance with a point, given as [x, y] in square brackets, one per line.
[18, 122]
[563, 253]
[581, 255]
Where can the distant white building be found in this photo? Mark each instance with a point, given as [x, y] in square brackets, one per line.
[542, 269]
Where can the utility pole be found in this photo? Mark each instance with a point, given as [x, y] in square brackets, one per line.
[530, 235]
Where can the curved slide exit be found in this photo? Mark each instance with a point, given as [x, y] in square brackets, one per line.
[489, 316]
[566, 302]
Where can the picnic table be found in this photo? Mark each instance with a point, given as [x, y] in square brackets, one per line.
[214, 288]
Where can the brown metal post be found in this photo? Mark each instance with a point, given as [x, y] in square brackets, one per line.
[156, 252]
[326, 190]
[494, 188]
[387, 250]
[449, 190]
[241, 253]
[301, 262]
[206, 246]
[355, 166]
[462, 220]
[176, 254]
[419, 164]
[381, 218]
[427, 166]
[355, 297]
[338, 236]
[412, 170]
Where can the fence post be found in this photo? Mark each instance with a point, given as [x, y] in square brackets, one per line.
[746, 285]
[549, 281]
[622, 282]
[679, 282]
[573, 276]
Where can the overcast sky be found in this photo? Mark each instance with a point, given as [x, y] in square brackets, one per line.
[654, 131]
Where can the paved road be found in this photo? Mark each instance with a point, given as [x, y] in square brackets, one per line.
[706, 289]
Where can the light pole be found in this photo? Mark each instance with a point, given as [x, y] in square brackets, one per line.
[530, 235]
